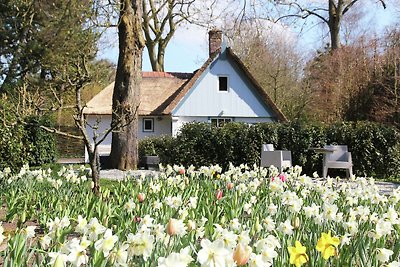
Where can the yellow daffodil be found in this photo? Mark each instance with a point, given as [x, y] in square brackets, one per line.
[327, 245]
[298, 255]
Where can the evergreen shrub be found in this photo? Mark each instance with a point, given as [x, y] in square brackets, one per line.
[25, 143]
[375, 147]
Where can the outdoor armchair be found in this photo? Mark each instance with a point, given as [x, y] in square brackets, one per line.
[338, 158]
[279, 158]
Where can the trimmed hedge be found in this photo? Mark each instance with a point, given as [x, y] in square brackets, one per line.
[375, 147]
[26, 143]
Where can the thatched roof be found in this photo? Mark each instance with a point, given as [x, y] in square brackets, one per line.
[157, 90]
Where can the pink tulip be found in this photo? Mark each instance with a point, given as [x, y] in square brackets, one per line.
[219, 194]
[141, 197]
[181, 171]
[229, 185]
[241, 254]
[171, 227]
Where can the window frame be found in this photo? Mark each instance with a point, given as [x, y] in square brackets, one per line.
[219, 83]
[144, 125]
[220, 120]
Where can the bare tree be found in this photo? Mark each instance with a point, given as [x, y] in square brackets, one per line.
[331, 14]
[162, 18]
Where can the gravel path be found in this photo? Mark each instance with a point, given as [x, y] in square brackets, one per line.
[119, 175]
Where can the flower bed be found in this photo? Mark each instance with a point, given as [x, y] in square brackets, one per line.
[187, 217]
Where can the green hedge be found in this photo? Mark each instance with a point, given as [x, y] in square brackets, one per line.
[375, 148]
[22, 143]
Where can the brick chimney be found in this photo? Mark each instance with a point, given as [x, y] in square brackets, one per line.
[214, 40]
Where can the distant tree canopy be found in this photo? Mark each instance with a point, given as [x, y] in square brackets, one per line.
[358, 82]
[42, 45]
[330, 12]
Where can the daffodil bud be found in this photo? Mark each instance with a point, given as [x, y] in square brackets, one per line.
[296, 223]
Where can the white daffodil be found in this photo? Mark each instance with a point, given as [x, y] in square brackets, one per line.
[200, 231]
[120, 256]
[94, 229]
[394, 264]
[181, 259]
[159, 232]
[330, 211]
[247, 208]
[147, 220]
[383, 254]
[286, 227]
[53, 225]
[392, 216]
[234, 224]
[193, 202]
[272, 209]
[130, 205]
[141, 244]
[257, 261]
[77, 255]
[58, 259]
[269, 224]
[213, 254]
[44, 241]
[81, 227]
[191, 225]
[227, 237]
[383, 228]
[29, 231]
[106, 244]
[244, 238]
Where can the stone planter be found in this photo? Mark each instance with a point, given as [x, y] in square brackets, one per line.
[151, 162]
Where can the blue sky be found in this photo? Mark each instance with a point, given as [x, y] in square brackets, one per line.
[188, 49]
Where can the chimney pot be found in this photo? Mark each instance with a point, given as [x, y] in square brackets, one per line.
[214, 40]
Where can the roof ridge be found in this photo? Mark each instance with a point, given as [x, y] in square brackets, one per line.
[166, 74]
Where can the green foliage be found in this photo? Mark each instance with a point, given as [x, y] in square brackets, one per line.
[162, 146]
[25, 142]
[41, 143]
[375, 148]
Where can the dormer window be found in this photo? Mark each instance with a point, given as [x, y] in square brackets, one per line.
[223, 83]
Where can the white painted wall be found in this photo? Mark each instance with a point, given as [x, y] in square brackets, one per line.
[204, 99]
[162, 126]
[178, 122]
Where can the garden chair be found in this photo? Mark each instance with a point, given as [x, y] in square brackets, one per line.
[279, 158]
[338, 158]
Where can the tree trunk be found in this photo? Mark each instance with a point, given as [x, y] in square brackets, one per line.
[335, 17]
[94, 161]
[126, 96]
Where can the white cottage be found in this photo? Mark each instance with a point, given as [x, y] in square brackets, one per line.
[221, 91]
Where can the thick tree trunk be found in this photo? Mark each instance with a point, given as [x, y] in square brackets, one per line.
[335, 17]
[126, 97]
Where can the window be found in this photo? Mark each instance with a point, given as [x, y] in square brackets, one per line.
[223, 83]
[220, 122]
[148, 125]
